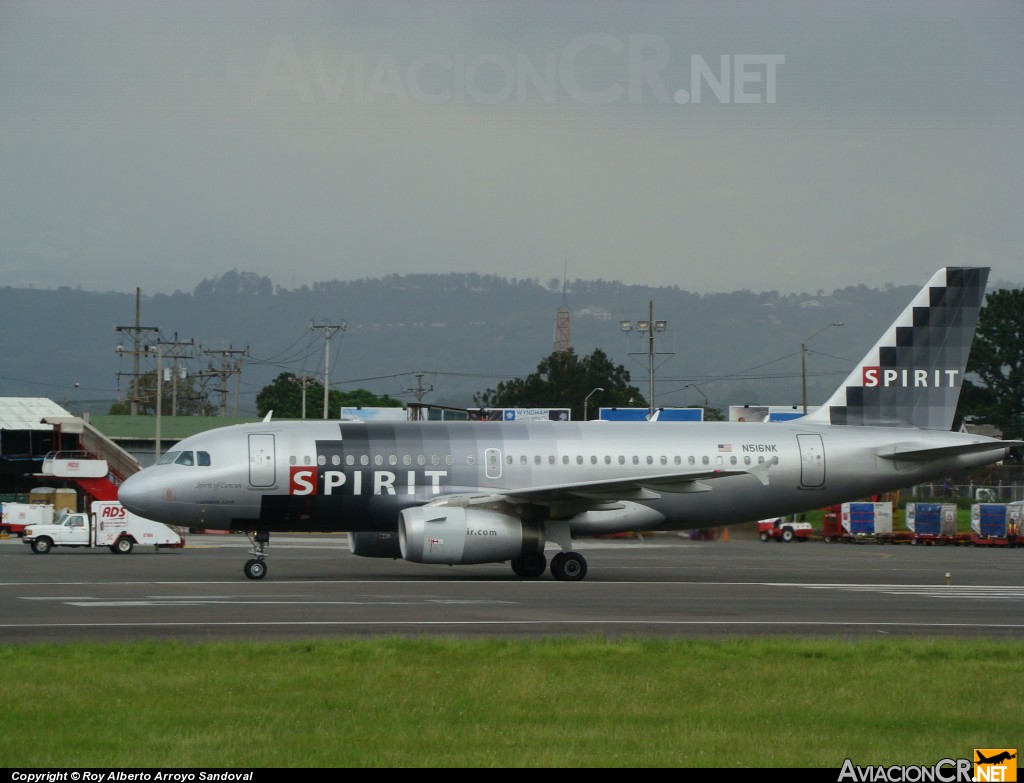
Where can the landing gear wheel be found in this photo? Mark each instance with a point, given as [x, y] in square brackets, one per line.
[568, 567]
[529, 566]
[255, 569]
[123, 546]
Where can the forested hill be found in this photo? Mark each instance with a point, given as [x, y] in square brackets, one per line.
[462, 332]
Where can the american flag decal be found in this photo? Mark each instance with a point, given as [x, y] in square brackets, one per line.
[725, 447]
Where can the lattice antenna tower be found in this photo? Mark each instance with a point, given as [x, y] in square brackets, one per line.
[562, 343]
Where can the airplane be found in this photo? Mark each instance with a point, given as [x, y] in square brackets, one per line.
[996, 759]
[463, 492]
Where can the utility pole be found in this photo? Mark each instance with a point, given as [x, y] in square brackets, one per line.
[420, 392]
[328, 330]
[137, 332]
[304, 382]
[179, 349]
[226, 371]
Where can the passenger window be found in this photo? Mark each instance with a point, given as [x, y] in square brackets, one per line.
[536, 459]
[392, 459]
[593, 460]
[406, 459]
[470, 460]
[607, 459]
[434, 460]
[636, 460]
[321, 459]
[335, 459]
[565, 459]
[718, 461]
[622, 460]
[691, 461]
[350, 460]
[551, 459]
[522, 460]
[579, 459]
[704, 460]
[732, 460]
[746, 460]
[421, 460]
[364, 459]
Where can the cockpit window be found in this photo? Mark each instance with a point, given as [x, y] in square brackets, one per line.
[185, 458]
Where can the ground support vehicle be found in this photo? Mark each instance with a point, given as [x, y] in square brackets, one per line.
[784, 529]
[108, 524]
[18, 516]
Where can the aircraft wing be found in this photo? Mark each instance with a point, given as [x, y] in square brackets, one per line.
[924, 453]
[639, 487]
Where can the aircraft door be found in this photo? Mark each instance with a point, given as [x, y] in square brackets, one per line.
[812, 461]
[492, 463]
[261, 460]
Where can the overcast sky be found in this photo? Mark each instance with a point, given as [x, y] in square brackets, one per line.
[766, 145]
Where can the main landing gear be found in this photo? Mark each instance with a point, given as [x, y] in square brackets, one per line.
[565, 566]
[256, 568]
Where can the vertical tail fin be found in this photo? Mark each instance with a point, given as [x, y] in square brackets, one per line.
[912, 376]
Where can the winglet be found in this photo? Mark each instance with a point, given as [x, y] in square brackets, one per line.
[266, 419]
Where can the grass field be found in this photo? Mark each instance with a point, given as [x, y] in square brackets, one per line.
[489, 703]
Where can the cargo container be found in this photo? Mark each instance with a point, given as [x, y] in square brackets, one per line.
[867, 520]
[995, 524]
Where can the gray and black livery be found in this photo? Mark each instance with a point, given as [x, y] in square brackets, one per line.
[481, 492]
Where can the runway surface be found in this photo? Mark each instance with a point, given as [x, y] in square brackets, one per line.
[664, 586]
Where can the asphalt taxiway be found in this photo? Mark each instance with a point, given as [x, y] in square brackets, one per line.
[663, 586]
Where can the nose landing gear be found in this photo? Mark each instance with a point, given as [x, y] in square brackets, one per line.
[256, 568]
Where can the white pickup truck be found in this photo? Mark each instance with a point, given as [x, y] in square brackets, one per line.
[108, 524]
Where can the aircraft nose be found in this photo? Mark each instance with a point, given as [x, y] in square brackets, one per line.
[140, 495]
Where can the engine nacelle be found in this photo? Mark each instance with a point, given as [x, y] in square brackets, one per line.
[375, 545]
[461, 536]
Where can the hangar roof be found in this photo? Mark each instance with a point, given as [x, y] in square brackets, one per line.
[27, 413]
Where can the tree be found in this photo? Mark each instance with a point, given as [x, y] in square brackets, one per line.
[563, 380]
[283, 396]
[997, 360]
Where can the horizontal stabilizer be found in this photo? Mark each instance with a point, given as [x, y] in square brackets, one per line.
[924, 453]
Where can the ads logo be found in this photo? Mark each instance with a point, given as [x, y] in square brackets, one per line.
[995, 764]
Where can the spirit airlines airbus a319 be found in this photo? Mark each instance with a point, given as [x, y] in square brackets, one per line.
[470, 492]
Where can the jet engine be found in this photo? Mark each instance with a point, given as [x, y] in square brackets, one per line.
[459, 536]
[377, 544]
